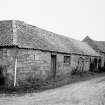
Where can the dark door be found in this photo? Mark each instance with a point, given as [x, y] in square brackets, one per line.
[53, 65]
[1, 76]
[95, 65]
[99, 65]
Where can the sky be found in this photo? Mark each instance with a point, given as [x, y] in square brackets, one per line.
[73, 18]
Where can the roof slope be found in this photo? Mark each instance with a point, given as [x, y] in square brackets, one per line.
[101, 45]
[6, 33]
[27, 36]
[97, 45]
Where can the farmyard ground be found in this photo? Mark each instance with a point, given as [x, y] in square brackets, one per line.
[89, 92]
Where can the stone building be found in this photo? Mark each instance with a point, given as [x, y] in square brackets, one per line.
[99, 47]
[27, 51]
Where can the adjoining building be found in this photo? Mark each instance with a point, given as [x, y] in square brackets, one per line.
[27, 51]
[99, 47]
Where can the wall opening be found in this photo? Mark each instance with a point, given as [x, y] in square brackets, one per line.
[95, 64]
[99, 64]
[104, 64]
[53, 65]
[91, 65]
[2, 79]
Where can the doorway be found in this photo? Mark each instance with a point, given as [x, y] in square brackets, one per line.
[2, 80]
[95, 65]
[53, 65]
[99, 65]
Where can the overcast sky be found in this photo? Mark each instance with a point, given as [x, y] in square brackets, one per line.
[73, 18]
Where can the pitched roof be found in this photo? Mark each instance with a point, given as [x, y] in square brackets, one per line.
[97, 45]
[6, 33]
[101, 45]
[27, 36]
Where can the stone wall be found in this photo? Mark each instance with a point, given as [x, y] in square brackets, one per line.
[30, 64]
[63, 68]
[103, 59]
[82, 63]
[7, 62]
[33, 63]
[36, 64]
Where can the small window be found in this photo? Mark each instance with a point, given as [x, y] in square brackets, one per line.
[67, 59]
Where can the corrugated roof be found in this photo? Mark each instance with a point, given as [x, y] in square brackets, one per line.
[27, 36]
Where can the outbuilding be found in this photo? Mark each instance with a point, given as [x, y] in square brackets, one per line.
[99, 47]
[27, 51]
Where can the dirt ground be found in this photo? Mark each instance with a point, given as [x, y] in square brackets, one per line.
[90, 92]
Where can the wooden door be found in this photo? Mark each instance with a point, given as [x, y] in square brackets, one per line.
[53, 65]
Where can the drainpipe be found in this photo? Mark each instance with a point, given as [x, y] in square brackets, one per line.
[15, 72]
[15, 68]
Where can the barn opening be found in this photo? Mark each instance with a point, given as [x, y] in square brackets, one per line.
[2, 79]
[99, 64]
[104, 66]
[91, 65]
[53, 65]
[95, 64]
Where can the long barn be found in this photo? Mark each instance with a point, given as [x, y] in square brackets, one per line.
[27, 51]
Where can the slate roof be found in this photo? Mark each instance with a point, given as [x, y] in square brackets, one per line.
[97, 45]
[14, 32]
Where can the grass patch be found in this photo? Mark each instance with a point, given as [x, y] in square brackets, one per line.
[56, 82]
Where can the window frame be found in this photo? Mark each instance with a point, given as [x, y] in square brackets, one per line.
[66, 61]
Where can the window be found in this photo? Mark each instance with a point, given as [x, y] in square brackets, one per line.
[67, 59]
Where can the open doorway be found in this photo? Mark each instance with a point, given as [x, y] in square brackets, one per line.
[99, 65]
[95, 64]
[104, 66]
[2, 79]
[53, 65]
[91, 65]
